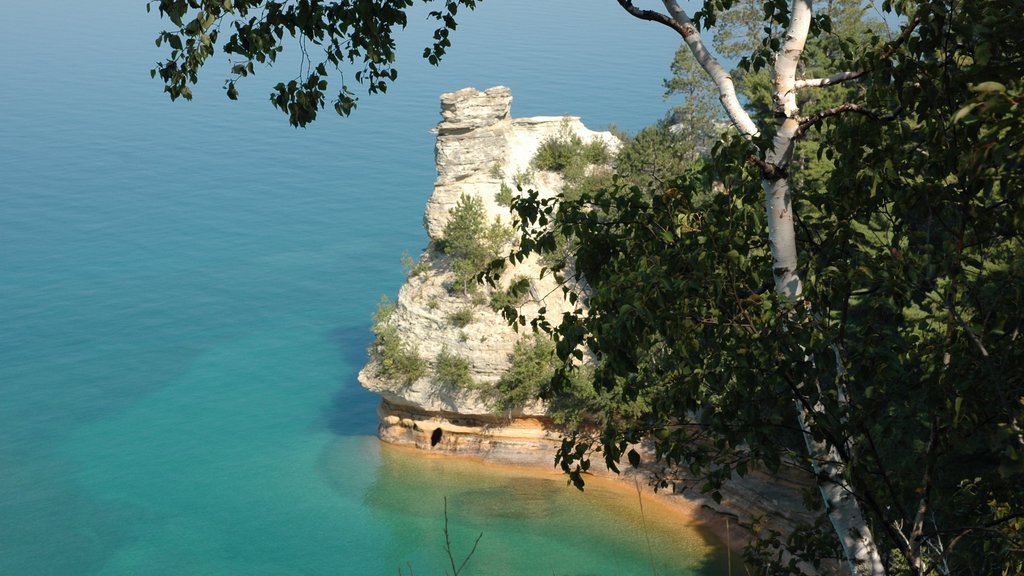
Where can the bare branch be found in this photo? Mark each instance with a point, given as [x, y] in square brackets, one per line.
[841, 77]
[904, 35]
[833, 79]
[448, 544]
[679, 21]
[817, 117]
[652, 16]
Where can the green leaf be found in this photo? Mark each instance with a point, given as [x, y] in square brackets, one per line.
[634, 458]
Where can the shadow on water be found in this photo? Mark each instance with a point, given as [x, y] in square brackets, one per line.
[353, 409]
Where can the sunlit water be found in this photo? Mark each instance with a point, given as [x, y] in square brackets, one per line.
[185, 292]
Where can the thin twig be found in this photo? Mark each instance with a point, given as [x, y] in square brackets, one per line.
[833, 79]
[841, 77]
[448, 544]
[643, 521]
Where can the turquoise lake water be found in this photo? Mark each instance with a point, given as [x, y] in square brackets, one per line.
[186, 291]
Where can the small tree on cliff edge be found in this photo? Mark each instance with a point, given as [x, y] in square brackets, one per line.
[890, 343]
[470, 241]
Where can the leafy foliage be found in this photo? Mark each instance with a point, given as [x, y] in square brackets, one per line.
[331, 36]
[452, 371]
[910, 237]
[395, 360]
[471, 243]
[512, 296]
[905, 349]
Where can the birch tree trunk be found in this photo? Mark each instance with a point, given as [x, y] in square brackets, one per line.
[841, 504]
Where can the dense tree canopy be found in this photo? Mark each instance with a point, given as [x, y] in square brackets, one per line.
[888, 359]
[838, 286]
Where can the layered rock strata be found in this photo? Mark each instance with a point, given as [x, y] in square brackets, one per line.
[480, 147]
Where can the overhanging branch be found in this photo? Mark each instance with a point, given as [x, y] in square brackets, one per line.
[841, 77]
[652, 16]
[817, 117]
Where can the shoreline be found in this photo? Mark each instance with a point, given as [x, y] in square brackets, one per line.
[720, 529]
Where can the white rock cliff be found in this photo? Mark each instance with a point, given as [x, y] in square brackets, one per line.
[479, 147]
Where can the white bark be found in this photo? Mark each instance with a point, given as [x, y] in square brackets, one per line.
[779, 206]
[833, 79]
[788, 59]
[722, 79]
[841, 505]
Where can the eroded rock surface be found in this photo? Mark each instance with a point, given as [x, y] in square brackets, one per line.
[479, 147]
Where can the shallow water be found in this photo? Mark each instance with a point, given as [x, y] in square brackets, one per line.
[186, 291]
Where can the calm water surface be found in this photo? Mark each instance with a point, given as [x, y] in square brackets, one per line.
[185, 292]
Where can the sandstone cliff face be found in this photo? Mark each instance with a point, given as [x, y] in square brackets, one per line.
[479, 147]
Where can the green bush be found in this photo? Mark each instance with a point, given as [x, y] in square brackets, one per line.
[532, 366]
[470, 242]
[462, 317]
[395, 360]
[496, 171]
[452, 371]
[504, 196]
[655, 155]
[567, 154]
[600, 178]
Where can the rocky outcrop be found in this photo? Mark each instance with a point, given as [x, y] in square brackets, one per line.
[479, 148]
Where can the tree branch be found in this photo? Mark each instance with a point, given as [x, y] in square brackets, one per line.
[652, 16]
[679, 21]
[817, 117]
[833, 79]
[841, 77]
